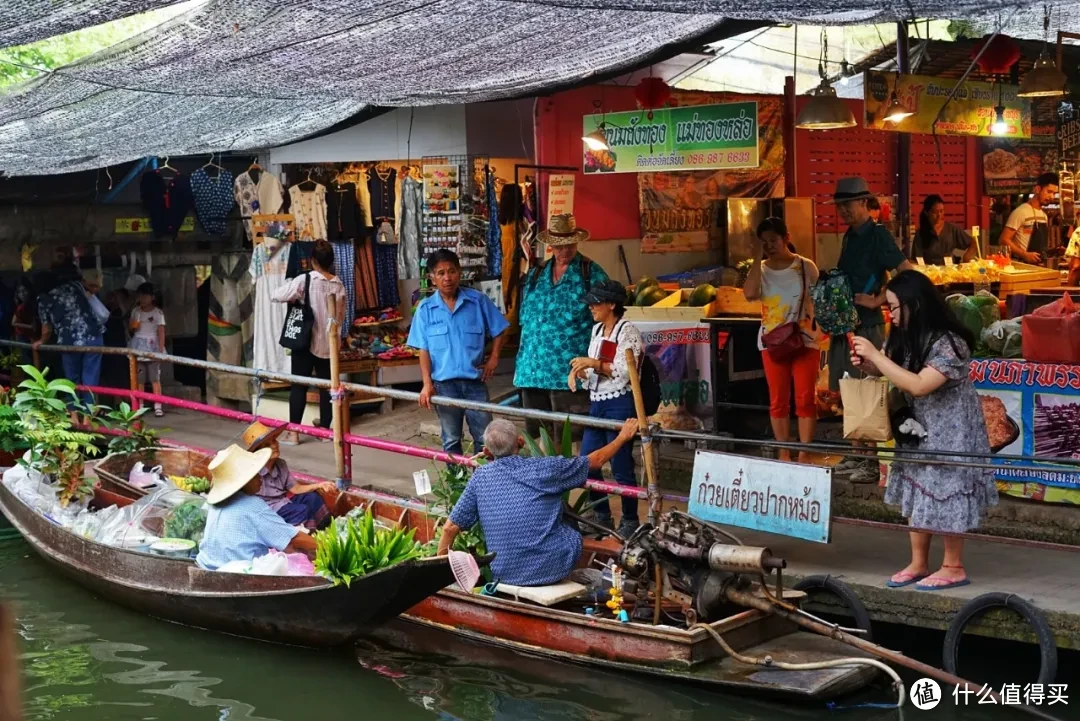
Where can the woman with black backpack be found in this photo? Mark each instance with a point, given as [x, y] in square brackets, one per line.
[605, 374]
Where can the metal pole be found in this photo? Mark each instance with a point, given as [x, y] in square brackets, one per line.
[903, 143]
[646, 437]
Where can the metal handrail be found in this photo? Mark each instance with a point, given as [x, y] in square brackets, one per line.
[908, 455]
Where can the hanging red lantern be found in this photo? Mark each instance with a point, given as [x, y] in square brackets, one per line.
[1000, 55]
[652, 93]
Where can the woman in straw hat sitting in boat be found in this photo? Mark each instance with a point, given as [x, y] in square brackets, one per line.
[298, 503]
[240, 526]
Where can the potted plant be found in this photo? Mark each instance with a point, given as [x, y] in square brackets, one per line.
[57, 448]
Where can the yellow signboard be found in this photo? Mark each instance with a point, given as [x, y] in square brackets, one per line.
[970, 112]
[142, 225]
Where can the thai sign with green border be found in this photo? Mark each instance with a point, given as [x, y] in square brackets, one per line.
[723, 136]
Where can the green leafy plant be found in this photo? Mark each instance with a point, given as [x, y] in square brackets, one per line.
[546, 448]
[449, 484]
[57, 448]
[139, 439]
[12, 440]
[10, 360]
[353, 547]
[188, 520]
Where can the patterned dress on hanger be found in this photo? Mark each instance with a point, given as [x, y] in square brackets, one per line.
[213, 199]
[264, 197]
[412, 201]
[309, 209]
[268, 272]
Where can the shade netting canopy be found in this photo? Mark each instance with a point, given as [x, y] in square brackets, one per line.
[230, 75]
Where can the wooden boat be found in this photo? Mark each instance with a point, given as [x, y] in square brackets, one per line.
[308, 611]
[566, 633]
[434, 615]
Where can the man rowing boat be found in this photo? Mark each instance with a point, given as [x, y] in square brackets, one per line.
[519, 504]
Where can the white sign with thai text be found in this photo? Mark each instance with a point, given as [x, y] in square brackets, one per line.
[560, 195]
[789, 499]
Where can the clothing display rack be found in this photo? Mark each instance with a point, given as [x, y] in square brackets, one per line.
[528, 230]
[458, 194]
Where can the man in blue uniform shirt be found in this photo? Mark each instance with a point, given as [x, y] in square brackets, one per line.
[450, 329]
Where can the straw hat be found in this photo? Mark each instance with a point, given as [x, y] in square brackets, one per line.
[232, 469]
[259, 435]
[562, 230]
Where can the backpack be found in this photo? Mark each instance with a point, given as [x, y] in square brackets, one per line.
[586, 272]
[648, 377]
[834, 303]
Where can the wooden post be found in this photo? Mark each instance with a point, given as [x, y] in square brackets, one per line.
[10, 704]
[646, 438]
[133, 379]
[335, 387]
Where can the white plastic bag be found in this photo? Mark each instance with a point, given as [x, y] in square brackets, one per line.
[274, 563]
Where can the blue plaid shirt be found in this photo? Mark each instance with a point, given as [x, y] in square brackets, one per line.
[241, 529]
[518, 502]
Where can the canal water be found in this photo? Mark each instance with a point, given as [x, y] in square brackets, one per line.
[88, 659]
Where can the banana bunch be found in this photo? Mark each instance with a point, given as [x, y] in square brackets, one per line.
[191, 484]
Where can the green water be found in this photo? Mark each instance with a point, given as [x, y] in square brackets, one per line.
[86, 658]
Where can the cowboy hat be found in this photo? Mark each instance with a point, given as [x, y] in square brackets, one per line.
[259, 435]
[562, 230]
[851, 189]
[232, 469]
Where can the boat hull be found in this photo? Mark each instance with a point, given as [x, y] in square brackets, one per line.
[664, 652]
[307, 611]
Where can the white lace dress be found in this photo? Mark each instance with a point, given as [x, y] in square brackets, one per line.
[626, 336]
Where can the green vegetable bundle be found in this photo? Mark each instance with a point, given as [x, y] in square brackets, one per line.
[354, 547]
[188, 520]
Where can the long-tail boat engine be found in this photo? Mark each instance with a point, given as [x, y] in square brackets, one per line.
[691, 563]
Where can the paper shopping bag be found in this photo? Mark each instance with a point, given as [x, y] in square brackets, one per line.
[866, 409]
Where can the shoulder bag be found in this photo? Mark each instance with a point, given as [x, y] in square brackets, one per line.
[786, 340]
[299, 321]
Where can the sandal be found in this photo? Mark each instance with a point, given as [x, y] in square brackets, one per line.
[942, 583]
[905, 578]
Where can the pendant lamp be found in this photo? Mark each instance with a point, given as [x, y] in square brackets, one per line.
[825, 111]
[1044, 80]
[999, 126]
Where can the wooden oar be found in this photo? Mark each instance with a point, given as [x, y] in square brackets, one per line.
[646, 437]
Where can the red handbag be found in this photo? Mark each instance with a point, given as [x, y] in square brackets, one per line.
[785, 341]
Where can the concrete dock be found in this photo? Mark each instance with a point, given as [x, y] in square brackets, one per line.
[862, 557]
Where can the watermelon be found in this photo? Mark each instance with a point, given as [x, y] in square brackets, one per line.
[644, 283]
[650, 296]
[702, 296]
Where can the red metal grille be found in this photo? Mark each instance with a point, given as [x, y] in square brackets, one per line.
[949, 180]
[824, 156]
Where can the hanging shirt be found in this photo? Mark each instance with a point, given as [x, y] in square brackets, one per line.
[343, 217]
[556, 325]
[309, 209]
[166, 201]
[264, 197]
[213, 199]
[268, 266]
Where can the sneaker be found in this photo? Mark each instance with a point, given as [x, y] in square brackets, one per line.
[849, 464]
[627, 527]
[869, 473]
[158, 412]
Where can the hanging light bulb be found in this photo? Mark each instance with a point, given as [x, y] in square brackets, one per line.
[896, 112]
[1044, 80]
[597, 140]
[999, 126]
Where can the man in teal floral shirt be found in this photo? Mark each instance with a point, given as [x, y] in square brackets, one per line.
[555, 322]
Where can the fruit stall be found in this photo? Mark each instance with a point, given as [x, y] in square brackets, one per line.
[703, 342]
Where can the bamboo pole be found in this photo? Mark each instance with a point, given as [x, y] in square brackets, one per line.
[646, 437]
[133, 380]
[335, 389]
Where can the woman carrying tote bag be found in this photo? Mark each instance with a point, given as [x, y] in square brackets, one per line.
[789, 338]
[312, 289]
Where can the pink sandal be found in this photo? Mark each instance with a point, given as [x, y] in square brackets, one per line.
[905, 578]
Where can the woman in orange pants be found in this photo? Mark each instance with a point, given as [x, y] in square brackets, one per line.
[781, 279]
